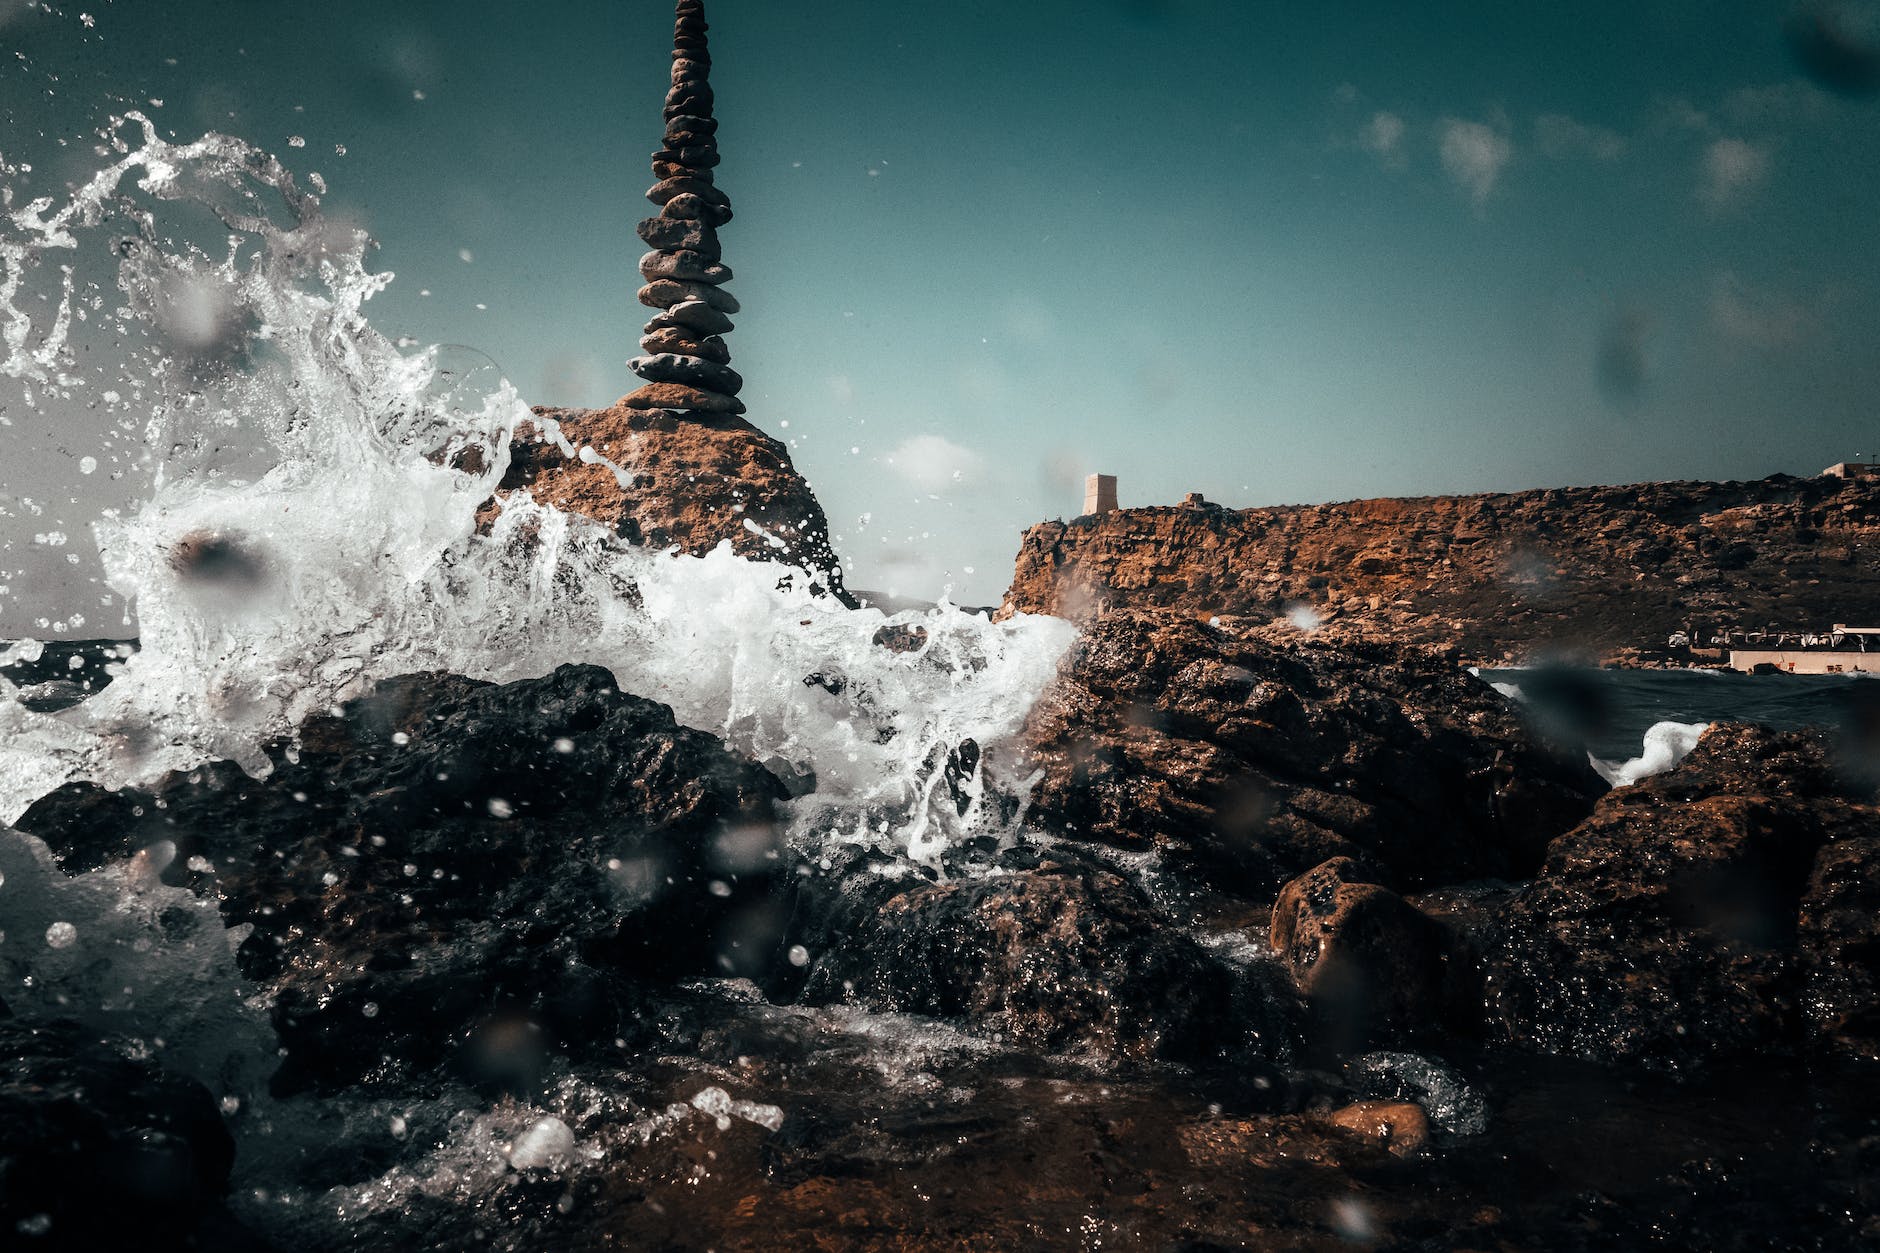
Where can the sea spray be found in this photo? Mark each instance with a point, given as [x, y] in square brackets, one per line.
[311, 527]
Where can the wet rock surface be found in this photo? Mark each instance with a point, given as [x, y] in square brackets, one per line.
[1053, 951]
[1668, 928]
[1369, 963]
[718, 1043]
[450, 871]
[1252, 762]
[1598, 571]
[99, 1149]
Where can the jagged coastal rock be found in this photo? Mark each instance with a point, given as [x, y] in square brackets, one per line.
[1712, 911]
[1605, 571]
[695, 480]
[1249, 762]
[685, 366]
[444, 863]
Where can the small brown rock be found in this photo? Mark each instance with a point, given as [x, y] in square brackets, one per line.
[688, 267]
[1366, 959]
[692, 208]
[664, 293]
[693, 315]
[673, 340]
[666, 189]
[679, 398]
[675, 235]
[1399, 1126]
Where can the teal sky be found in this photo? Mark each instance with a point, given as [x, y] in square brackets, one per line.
[1270, 252]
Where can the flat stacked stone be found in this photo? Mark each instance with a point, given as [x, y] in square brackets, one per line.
[687, 366]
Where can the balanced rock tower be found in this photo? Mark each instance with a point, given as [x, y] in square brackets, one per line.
[687, 366]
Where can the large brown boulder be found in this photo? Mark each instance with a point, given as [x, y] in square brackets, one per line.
[696, 480]
[1368, 962]
[1252, 761]
[1689, 916]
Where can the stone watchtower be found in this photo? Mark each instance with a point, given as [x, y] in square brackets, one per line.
[1100, 493]
[687, 366]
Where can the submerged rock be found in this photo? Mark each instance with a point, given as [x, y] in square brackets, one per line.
[99, 1149]
[1667, 928]
[453, 869]
[1251, 761]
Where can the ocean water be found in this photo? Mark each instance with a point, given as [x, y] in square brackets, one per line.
[1639, 722]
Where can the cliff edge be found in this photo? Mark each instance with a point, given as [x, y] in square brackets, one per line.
[1610, 572]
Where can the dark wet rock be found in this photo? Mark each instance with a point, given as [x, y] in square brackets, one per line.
[1839, 930]
[1454, 1106]
[102, 1150]
[1251, 761]
[1367, 961]
[458, 870]
[1666, 928]
[692, 371]
[1060, 954]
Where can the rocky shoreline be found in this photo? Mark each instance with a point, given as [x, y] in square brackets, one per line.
[1281, 922]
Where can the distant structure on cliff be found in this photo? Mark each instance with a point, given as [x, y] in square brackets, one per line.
[687, 366]
[1100, 493]
[1852, 470]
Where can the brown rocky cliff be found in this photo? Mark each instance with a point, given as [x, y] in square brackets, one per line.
[696, 480]
[1605, 570]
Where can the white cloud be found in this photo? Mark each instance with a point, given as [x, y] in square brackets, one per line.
[1560, 136]
[1383, 137]
[932, 463]
[1475, 155]
[1732, 170]
[1793, 101]
[1761, 319]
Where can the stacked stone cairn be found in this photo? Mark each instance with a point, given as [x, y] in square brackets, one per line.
[687, 366]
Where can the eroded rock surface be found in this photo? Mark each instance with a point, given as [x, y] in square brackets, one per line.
[450, 862]
[697, 481]
[1252, 762]
[1669, 927]
[1368, 961]
[1056, 953]
[1607, 571]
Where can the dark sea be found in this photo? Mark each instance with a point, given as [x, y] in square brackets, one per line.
[1612, 711]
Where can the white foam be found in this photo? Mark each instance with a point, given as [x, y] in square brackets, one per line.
[1666, 744]
[346, 550]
